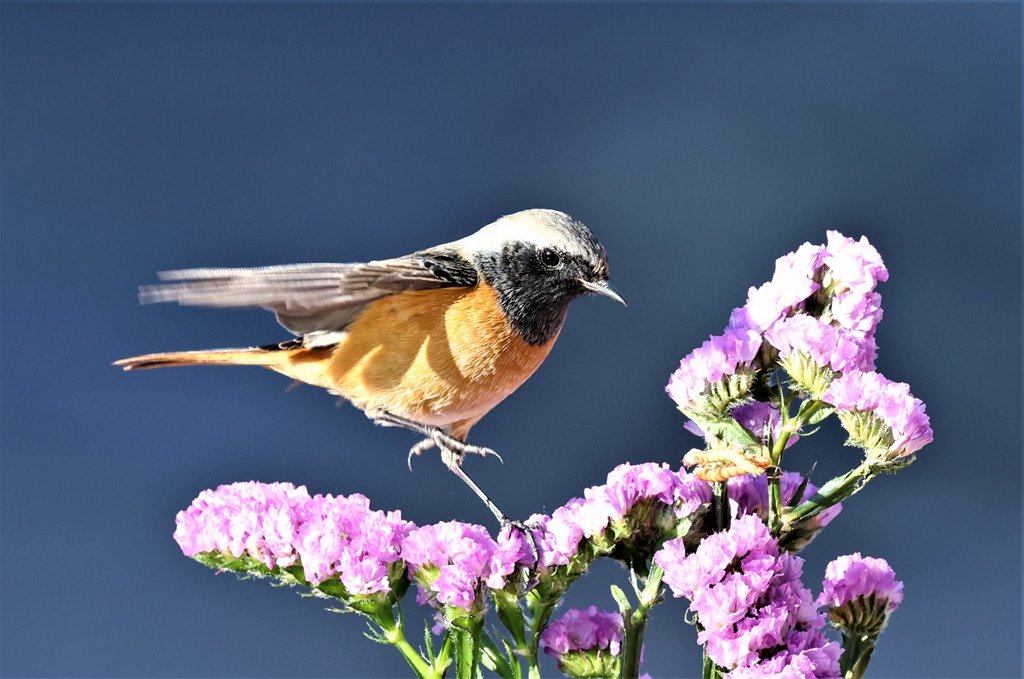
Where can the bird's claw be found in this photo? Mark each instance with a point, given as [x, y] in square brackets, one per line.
[527, 529]
[419, 448]
[467, 449]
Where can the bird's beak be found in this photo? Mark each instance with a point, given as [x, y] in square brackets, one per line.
[602, 288]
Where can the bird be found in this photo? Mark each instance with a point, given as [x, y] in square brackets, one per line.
[429, 341]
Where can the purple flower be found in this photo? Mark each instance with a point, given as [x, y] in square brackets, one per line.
[583, 630]
[719, 357]
[749, 601]
[560, 534]
[452, 562]
[858, 313]
[688, 575]
[512, 550]
[634, 500]
[854, 269]
[761, 419]
[749, 495]
[828, 346]
[854, 265]
[251, 518]
[861, 397]
[854, 576]
[341, 536]
[817, 657]
[793, 282]
[629, 485]
[281, 525]
[585, 643]
[860, 594]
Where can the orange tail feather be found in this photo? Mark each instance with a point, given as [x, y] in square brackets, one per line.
[250, 356]
[306, 364]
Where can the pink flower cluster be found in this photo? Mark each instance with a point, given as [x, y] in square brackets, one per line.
[720, 356]
[780, 311]
[853, 577]
[795, 279]
[819, 313]
[890, 401]
[838, 348]
[756, 617]
[453, 562]
[583, 630]
[558, 537]
[855, 268]
[281, 525]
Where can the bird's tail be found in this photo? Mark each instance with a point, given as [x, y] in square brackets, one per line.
[305, 364]
[248, 356]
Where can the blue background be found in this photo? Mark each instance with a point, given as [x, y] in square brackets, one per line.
[698, 141]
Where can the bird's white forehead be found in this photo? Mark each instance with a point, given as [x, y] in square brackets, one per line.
[542, 228]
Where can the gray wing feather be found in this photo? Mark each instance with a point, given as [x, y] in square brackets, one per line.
[307, 298]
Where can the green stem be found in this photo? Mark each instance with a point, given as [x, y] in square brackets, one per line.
[540, 614]
[394, 634]
[419, 666]
[709, 669]
[835, 491]
[792, 426]
[467, 650]
[808, 409]
[502, 661]
[775, 500]
[857, 650]
[720, 505]
[511, 616]
[635, 625]
[444, 657]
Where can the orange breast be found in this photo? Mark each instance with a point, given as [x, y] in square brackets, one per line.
[442, 357]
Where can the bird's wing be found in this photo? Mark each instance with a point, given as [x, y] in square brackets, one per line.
[312, 298]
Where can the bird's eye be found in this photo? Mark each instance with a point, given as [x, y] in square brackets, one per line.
[549, 257]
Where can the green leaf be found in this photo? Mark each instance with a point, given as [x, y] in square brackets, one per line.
[620, 598]
[492, 658]
[428, 642]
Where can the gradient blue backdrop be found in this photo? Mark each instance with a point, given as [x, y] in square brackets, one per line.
[699, 142]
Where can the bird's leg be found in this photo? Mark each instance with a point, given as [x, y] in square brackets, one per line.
[452, 453]
[453, 460]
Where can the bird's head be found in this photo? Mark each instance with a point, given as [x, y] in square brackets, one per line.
[538, 261]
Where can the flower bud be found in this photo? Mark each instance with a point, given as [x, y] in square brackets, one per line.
[861, 593]
[586, 643]
[881, 416]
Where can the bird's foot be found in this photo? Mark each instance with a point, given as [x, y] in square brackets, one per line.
[435, 436]
[526, 528]
[457, 449]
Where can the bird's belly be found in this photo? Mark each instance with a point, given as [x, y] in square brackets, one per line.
[437, 357]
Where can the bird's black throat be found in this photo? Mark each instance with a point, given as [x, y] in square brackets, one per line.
[534, 297]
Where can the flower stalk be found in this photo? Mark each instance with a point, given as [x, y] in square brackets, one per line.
[393, 633]
[467, 651]
[857, 650]
[832, 493]
[634, 622]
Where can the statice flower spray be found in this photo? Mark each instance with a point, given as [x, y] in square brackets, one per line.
[723, 535]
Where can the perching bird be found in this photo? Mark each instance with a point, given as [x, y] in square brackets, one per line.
[430, 341]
